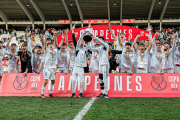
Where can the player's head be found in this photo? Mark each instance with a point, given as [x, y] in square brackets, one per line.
[157, 40]
[24, 46]
[167, 45]
[158, 46]
[50, 45]
[63, 47]
[32, 36]
[102, 38]
[179, 46]
[137, 43]
[1, 44]
[49, 40]
[39, 49]
[13, 47]
[70, 43]
[96, 45]
[128, 46]
[147, 43]
[142, 47]
[110, 46]
[122, 36]
[82, 43]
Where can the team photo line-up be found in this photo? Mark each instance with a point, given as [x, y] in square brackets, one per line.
[48, 57]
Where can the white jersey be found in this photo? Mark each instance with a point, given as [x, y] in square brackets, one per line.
[94, 61]
[157, 59]
[62, 60]
[37, 61]
[3, 52]
[126, 62]
[102, 51]
[81, 59]
[177, 57]
[12, 60]
[142, 59]
[50, 61]
[72, 56]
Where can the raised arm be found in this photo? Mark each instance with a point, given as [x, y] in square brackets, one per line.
[45, 45]
[112, 33]
[119, 39]
[33, 50]
[55, 38]
[26, 34]
[173, 42]
[134, 43]
[66, 39]
[150, 42]
[79, 41]
[42, 38]
[73, 35]
[62, 38]
[8, 47]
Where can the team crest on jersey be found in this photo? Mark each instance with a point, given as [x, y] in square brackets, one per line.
[20, 83]
[158, 83]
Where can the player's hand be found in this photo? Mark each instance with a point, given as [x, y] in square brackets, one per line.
[14, 71]
[91, 34]
[161, 73]
[66, 72]
[89, 26]
[28, 28]
[42, 35]
[110, 27]
[147, 35]
[157, 32]
[12, 35]
[37, 72]
[74, 26]
[53, 30]
[62, 37]
[131, 73]
[138, 35]
[24, 73]
[150, 28]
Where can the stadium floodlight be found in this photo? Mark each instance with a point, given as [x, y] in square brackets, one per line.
[28, 5]
[71, 4]
[159, 2]
[114, 3]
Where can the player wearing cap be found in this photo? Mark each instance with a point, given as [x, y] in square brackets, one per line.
[169, 54]
[25, 56]
[63, 58]
[142, 55]
[12, 60]
[79, 66]
[118, 46]
[50, 66]
[38, 59]
[177, 59]
[3, 52]
[103, 65]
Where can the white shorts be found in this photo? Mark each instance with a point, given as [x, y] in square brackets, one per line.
[49, 74]
[78, 71]
[142, 70]
[11, 69]
[61, 70]
[169, 70]
[176, 69]
[94, 71]
[155, 71]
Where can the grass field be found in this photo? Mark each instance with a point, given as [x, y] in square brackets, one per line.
[59, 108]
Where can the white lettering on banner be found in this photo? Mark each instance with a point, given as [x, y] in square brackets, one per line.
[117, 83]
[35, 78]
[174, 82]
[61, 83]
[101, 32]
[125, 31]
[70, 83]
[128, 82]
[87, 82]
[96, 33]
[138, 78]
[130, 33]
[107, 34]
[96, 82]
[34, 85]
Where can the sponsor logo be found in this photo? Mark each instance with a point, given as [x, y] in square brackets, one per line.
[174, 82]
[20, 83]
[158, 83]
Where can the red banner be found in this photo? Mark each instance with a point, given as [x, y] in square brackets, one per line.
[103, 30]
[98, 21]
[120, 85]
[128, 20]
[64, 22]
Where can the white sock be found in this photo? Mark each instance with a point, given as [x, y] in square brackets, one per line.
[43, 89]
[51, 88]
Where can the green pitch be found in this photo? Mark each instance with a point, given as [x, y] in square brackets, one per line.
[63, 108]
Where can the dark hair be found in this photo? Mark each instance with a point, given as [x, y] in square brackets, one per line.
[158, 43]
[137, 42]
[101, 37]
[128, 44]
[49, 43]
[64, 44]
[32, 34]
[168, 43]
[110, 44]
[39, 46]
[25, 44]
[142, 44]
[49, 39]
[157, 39]
[96, 44]
[147, 40]
[122, 33]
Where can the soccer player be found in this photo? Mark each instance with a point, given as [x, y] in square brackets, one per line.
[63, 58]
[118, 46]
[25, 56]
[3, 52]
[177, 59]
[158, 58]
[142, 55]
[94, 66]
[12, 60]
[169, 54]
[79, 66]
[103, 65]
[38, 59]
[50, 66]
